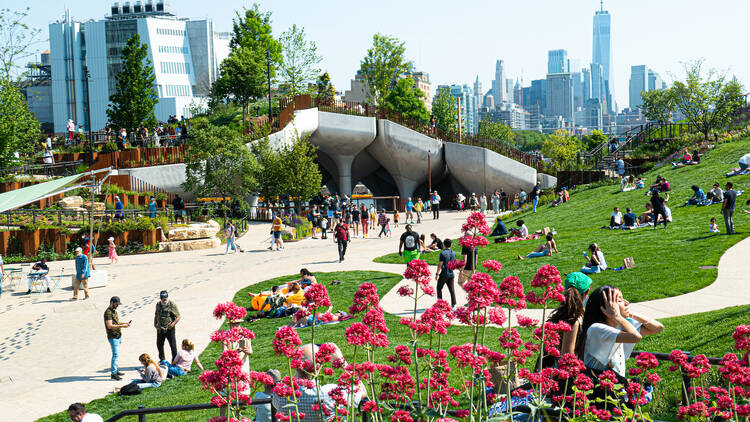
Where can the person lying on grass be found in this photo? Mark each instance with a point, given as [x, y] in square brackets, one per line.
[546, 248]
[299, 321]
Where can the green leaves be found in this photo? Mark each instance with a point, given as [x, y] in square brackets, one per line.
[19, 128]
[406, 99]
[444, 110]
[562, 148]
[658, 105]
[300, 60]
[384, 63]
[496, 131]
[132, 104]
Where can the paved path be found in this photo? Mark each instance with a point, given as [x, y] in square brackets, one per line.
[55, 349]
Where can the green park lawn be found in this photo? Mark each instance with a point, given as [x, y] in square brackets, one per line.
[667, 261]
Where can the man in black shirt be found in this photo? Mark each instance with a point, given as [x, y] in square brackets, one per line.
[727, 207]
[39, 271]
[179, 208]
[469, 255]
[410, 244]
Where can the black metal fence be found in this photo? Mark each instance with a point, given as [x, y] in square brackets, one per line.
[142, 411]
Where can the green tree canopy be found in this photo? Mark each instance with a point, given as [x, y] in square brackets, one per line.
[593, 140]
[132, 104]
[17, 40]
[19, 128]
[563, 149]
[529, 140]
[658, 105]
[242, 79]
[382, 66]
[253, 30]
[496, 131]
[326, 93]
[301, 175]
[270, 171]
[218, 163]
[406, 99]
[707, 102]
[300, 60]
[444, 110]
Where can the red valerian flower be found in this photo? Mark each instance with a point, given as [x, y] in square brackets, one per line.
[607, 380]
[401, 416]
[646, 360]
[492, 265]
[316, 297]
[405, 291]
[525, 321]
[285, 343]
[456, 264]
[438, 317]
[472, 242]
[418, 271]
[511, 293]
[496, 315]
[366, 295]
[232, 335]
[481, 291]
[476, 221]
[583, 383]
[230, 310]
[545, 276]
[741, 337]
[358, 334]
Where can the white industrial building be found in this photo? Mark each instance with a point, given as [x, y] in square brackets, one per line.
[185, 55]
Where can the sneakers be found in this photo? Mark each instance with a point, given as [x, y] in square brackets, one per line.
[28, 292]
[120, 372]
[115, 377]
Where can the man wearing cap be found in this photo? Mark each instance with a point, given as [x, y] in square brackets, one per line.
[119, 213]
[113, 327]
[82, 274]
[165, 318]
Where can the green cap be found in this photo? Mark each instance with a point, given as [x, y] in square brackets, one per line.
[579, 280]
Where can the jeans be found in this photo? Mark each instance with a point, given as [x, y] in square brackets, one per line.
[538, 254]
[591, 270]
[168, 335]
[536, 201]
[342, 248]
[173, 370]
[435, 211]
[143, 384]
[382, 230]
[230, 244]
[419, 217]
[446, 281]
[729, 220]
[114, 344]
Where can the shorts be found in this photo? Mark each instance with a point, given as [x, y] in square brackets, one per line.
[277, 235]
[464, 276]
[410, 255]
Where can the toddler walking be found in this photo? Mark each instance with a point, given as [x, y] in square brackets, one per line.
[113, 258]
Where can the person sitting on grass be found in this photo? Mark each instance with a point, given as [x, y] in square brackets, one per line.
[714, 228]
[577, 286]
[499, 229]
[640, 184]
[743, 208]
[521, 231]
[275, 301]
[661, 185]
[306, 278]
[435, 245]
[559, 200]
[647, 216]
[698, 196]
[615, 219]
[183, 362]
[546, 248]
[596, 262]
[629, 219]
[150, 374]
[715, 195]
[263, 411]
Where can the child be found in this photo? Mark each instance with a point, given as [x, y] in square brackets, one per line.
[113, 258]
[387, 227]
[183, 361]
[323, 227]
[713, 228]
[395, 218]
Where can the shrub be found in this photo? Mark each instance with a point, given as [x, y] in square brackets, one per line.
[109, 147]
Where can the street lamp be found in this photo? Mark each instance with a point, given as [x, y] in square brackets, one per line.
[88, 115]
[268, 65]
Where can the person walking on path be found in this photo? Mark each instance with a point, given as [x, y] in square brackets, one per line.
[165, 318]
[382, 222]
[276, 226]
[534, 195]
[365, 220]
[77, 413]
[483, 203]
[114, 327]
[341, 238]
[231, 233]
[82, 274]
[727, 207]
[410, 244]
[113, 258]
[409, 215]
[179, 208]
[418, 208]
[119, 212]
[444, 274]
[435, 205]
[356, 214]
[496, 202]
[469, 256]
[152, 207]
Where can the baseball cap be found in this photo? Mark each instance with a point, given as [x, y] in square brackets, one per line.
[115, 299]
[163, 294]
[579, 280]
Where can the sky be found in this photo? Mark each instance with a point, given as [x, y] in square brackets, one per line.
[456, 41]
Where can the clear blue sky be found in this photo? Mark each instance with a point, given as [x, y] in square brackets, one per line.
[457, 40]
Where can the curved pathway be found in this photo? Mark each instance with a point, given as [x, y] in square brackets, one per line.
[56, 349]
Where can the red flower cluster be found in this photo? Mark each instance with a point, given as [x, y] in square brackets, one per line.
[472, 242]
[228, 373]
[418, 271]
[481, 291]
[548, 278]
[358, 334]
[230, 310]
[693, 368]
[231, 335]
[511, 293]
[741, 337]
[456, 264]
[316, 297]
[492, 265]
[476, 222]
[366, 295]
[438, 317]
[286, 342]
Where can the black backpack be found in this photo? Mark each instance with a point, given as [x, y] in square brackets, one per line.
[131, 389]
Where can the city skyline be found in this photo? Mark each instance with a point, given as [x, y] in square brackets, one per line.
[662, 47]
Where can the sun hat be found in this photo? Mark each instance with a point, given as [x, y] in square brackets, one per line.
[111, 238]
[579, 280]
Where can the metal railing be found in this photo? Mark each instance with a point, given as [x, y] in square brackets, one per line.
[142, 410]
[63, 168]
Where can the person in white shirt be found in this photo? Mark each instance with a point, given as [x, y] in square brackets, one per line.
[48, 143]
[612, 330]
[77, 413]
[596, 262]
[521, 231]
[615, 219]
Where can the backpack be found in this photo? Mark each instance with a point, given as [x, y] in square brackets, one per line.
[341, 232]
[409, 242]
[130, 390]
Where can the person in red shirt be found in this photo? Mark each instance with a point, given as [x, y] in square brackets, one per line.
[341, 237]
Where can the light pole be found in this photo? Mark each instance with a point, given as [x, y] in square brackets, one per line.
[268, 65]
[88, 115]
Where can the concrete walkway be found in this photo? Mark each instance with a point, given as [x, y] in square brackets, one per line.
[55, 350]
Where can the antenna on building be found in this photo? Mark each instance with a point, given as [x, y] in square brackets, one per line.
[601, 3]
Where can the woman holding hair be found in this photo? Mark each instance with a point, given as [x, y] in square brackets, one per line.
[577, 286]
[544, 249]
[183, 362]
[612, 330]
[150, 374]
[596, 263]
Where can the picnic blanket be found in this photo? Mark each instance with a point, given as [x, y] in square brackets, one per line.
[519, 238]
[318, 322]
[737, 172]
[637, 226]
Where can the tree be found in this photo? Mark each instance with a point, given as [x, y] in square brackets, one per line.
[529, 140]
[496, 131]
[132, 104]
[707, 103]
[218, 163]
[242, 79]
[406, 99]
[269, 171]
[301, 176]
[383, 65]
[658, 105]
[300, 60]
[562, 148]
[254, 31]
[16, 40]
[594, 140]
[19, 128]
[444, 110]
[326, 93]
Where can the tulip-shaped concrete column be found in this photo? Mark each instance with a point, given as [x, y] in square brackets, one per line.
[342, 137]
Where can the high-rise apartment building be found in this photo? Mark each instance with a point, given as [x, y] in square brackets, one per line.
[469, 108]
[422, 83]
[478, 93]
[586, 76]
[638, 84]
[185, 55]
[534, 97]
[557, 61]
[560, 95]
[602, 51]
[498, 84]
[655, 81]
[598, 88]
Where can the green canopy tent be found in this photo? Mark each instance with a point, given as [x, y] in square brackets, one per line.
[24, 196]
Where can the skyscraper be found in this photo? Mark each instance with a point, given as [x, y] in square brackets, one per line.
[560, 95]
[597, 83]
[498, 85]
[586, 84]
[638, 83]
[469, 109]
[602, 49]
[557, 61]
[478, 90]
[655, 81]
